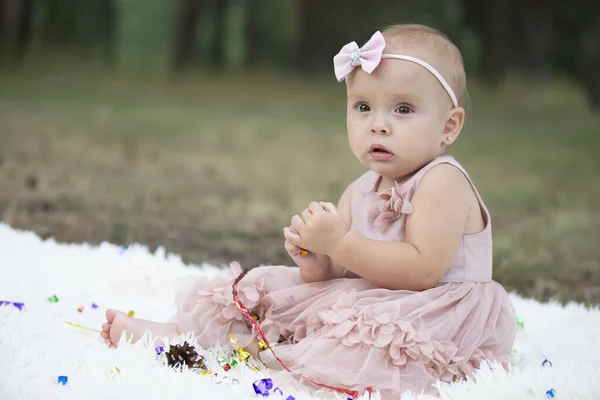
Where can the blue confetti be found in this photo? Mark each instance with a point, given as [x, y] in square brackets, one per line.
[546, 361]
[550, 393]
[18, 305]
[63, 380]
[123, 250]
[262, 386]
[159, 350]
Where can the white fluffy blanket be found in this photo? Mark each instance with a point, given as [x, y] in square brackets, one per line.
[37, 347]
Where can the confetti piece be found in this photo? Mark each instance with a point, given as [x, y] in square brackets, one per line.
[550, 393]
[243, 354]
[206, 372]
[277, 389]
[14, 303]
[53, 299]
[304, 253]
[80, 309]
[521, 323]
[254, 317]
[122, 250]
[115, 370]
[159, 350]
[226, 367]
[130, 313]
[233, 363]
[262, 345]
[290, 397]
[262, 386]
[546, 361]
[94, 306]
[81, 326]
[63, 380]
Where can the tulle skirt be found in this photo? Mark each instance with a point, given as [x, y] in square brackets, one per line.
[350, 334]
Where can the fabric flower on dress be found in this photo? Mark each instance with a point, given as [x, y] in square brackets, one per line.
[403, 342]
[391, 205]
[219, 291]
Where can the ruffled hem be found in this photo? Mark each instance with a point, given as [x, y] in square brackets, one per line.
[376, 334]
[401, 341]
[205, 307]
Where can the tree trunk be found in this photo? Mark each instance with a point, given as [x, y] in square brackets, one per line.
[538, 37]
[593, 75]
[256, 35]
[314, 34]
[60, 22]
[15, 26]
[495, 40]
[218, 49]
[185, 33]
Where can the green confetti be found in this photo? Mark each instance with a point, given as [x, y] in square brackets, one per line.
[233, 363]
[521, 323]
[53, 299]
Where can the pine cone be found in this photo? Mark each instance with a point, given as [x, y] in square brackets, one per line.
[181, 354]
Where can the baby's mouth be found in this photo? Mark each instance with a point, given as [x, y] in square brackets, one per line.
[379, 149]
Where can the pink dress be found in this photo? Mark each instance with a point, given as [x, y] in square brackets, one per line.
[350, 334]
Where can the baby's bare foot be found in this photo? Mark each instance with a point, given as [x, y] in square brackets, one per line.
[118, 322]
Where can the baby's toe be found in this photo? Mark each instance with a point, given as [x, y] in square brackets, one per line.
[105, 327]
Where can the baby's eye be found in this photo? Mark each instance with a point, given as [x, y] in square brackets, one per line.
[362, 107]
[403, 109]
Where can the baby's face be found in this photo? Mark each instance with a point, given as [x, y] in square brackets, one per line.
[395, 117]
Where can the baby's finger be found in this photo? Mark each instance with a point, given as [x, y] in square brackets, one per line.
[328, 206]
[298, 224]
[290, 235]
[306, 214]
[315, 207]
[292, 249]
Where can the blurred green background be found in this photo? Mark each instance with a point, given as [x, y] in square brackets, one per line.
[204, 125]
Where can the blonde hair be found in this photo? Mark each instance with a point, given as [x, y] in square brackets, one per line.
[448, 59]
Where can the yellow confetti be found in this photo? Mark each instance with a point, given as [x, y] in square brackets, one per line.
[262, 345]
[233, 340]
[304, 253]
[206, 372]
[243, 354]
[81, 326]
[115, 370]
[130, 313]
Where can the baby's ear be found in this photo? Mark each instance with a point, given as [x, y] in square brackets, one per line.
[454, 122]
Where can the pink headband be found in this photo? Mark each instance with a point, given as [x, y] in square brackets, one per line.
[369, 56]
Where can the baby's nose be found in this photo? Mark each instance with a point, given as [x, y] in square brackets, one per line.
[381, 129]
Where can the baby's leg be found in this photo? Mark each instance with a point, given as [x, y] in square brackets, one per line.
[117, 322]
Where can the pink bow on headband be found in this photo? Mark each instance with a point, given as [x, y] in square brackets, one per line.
[350, 56]
[369, 56]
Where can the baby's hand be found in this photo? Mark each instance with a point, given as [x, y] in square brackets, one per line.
[320, 228]
[313, 267]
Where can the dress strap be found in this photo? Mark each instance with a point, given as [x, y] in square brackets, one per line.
[447, 159]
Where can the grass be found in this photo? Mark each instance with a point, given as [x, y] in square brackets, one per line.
[213, 167]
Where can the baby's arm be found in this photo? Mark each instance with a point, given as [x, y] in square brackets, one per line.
[442, 205]
[344, 209]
